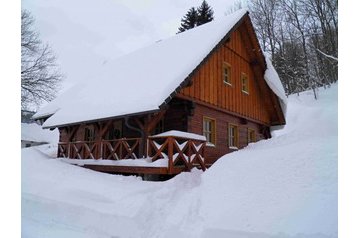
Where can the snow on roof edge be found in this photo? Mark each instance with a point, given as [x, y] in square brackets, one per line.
[273, 81]
[104, 118]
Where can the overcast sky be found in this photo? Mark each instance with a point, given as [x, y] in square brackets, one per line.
[86, 34]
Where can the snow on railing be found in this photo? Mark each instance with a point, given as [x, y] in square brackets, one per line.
[183, 150]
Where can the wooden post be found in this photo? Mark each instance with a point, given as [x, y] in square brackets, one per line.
[203, 154]
[170, 154]
[103, 130]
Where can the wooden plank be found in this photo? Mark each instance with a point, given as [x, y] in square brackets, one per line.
[215, 80]
[170, 154]
[232, 99]
[212, 79]
[218, 77]
[130, 169]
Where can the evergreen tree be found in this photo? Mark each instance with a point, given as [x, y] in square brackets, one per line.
[189, 20]
[205, 13]
[196, 17]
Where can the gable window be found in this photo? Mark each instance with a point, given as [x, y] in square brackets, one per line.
[233, 136]
[209, 130]
[227, 73]
[115, 132]
[244, 83]
[89, 133]
[251, 135]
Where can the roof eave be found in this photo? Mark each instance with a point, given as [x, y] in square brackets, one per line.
[101, 119]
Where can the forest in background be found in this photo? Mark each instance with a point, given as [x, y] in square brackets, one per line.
[301, 37]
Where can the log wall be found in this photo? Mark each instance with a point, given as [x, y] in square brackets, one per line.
[222, 120]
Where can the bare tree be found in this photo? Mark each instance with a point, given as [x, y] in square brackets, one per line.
[40, 76]
[302, 38]
[237, 5]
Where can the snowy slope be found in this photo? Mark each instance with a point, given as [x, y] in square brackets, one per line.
[282, 187]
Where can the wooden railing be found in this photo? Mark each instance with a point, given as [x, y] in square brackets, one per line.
[183, 153]
[105, 149]
[180, 152]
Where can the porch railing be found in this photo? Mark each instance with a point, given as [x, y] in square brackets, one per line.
[105, 149]
[181, 152]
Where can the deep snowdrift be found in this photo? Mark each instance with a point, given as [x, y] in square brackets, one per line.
[282, 187]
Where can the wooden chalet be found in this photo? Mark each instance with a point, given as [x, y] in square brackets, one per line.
[182, 103]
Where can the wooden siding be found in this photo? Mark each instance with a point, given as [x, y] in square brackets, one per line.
[208, 85]
[222, 119]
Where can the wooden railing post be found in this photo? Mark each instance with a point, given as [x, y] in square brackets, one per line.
[68, 149]
[170, 154]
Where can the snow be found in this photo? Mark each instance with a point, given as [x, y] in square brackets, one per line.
[273, 81]
[142, 80]
[283, 187]
[145, 162]
[34, 132]
[180, 134]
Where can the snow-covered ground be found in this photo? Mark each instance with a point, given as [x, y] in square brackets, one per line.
[282, 187]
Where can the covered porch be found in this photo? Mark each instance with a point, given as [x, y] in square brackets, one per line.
[167, 153]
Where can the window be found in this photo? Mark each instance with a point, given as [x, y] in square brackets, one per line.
[89, 133]
[115, 131]
[233, 136]
[245, 83]
[227, 73]
[251, 135]
[209, 130]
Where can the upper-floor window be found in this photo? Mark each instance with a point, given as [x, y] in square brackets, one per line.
[209, 130]
[244, 83]
[227, 73]
[233, 136]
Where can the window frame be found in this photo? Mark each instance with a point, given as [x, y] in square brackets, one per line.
[228, 75]
[245, 86]
[235, 144]
[212, 133]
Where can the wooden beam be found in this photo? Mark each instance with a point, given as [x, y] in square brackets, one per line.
[105, 128]
[72, 131]
[133, 169]
[153, 121]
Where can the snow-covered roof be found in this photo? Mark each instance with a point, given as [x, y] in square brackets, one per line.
[34, 132]
[273, 81]
[143, 80]
[140, 81]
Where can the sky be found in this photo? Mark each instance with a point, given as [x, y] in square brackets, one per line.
[85, 34]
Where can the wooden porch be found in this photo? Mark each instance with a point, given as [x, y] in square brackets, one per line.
[167, 153]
